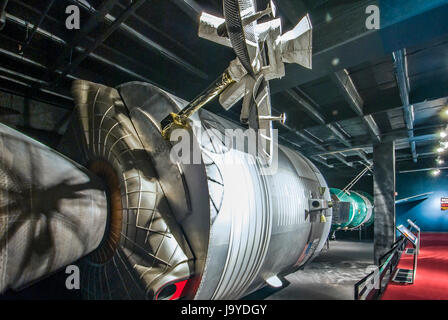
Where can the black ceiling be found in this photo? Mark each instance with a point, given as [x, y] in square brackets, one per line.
[158, 43]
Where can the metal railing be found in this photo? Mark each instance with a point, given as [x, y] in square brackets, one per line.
[372, 286]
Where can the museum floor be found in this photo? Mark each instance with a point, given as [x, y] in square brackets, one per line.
[431, 281]
[331, 276]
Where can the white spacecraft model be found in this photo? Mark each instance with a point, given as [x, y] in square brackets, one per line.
[261, 50]
[295, 46]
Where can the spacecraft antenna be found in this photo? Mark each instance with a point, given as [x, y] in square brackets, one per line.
[248, 75]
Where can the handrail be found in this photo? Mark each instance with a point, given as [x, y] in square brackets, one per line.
[396, 244]
[363, 291]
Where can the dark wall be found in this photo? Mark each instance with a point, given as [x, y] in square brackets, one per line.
[427, 212]
[337, 178]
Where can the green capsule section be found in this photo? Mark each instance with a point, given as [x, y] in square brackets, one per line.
[369, 204]
[361, 208]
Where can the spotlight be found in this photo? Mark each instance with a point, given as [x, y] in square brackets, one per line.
[440, 150]
[444, 112]
[440, 161]
[443, 134]
[435, 172]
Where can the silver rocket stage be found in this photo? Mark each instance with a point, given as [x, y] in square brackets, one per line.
[160, 229]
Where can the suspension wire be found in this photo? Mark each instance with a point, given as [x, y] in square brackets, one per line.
[348, 187]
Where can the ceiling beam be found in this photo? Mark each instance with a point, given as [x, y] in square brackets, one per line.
[25, 80]
[401, 73]
[99, 58]
[351, 95]
[316, 115]
[190, 7]
[399, 145]
[100, 39]
[33, 31]
[87, 27]
[293, 10]
[148, 43]
[345, 42]
[3, 4]
[330, 152]
[315, 143]
[320, 160]
[341, 158]
[351, 158]
[22, 89]
[309, 109]
[319, 118]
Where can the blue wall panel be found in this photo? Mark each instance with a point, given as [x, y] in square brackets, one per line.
[427, 212]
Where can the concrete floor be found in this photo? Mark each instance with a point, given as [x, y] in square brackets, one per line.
[331, 276]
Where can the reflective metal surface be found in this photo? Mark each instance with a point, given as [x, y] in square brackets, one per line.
[152, 251]
[259, 226]
[222, 225]
[184, 185]
[52, 210]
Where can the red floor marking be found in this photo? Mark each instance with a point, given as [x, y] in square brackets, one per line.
[431, 281]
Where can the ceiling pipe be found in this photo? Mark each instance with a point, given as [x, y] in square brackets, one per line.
[425, 169]
[33, 31]
[401, 72]
[87, 27]
[3, 4]
[22, 58]
[190, 7]
[35, 98]
[310, 140]
[31, 79]
[322, 161]
[360, 148]
[319, 118]
[94, 56]
[348, 89]
[153, 46]
[99, 40]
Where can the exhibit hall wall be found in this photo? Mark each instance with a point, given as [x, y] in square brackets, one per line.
[428, 212]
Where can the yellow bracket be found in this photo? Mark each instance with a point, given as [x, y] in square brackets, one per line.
[180, 120]
[176, 122]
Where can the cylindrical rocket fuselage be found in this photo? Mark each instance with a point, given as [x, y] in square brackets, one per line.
[225, 225]
[261, 225]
